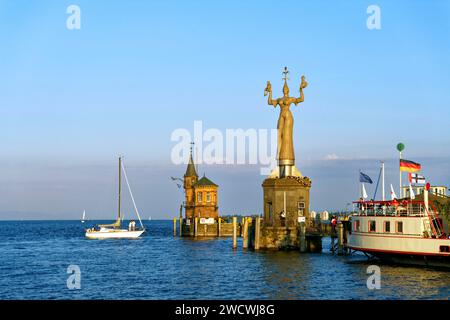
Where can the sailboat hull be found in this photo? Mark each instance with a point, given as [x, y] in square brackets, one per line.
[114, 234]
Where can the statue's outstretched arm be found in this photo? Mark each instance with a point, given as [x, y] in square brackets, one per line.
[303, 85]
[268, 91]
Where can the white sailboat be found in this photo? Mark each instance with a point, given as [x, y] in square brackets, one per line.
[84, 216]
[114, 230]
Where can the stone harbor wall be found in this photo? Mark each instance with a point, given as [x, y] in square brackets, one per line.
[284, 238]
[279, 237]
[209, 230]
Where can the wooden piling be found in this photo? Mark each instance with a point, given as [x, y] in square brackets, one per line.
[302, 240]
[196, 227]
[219, 225]
[333, 243]
[234, 232]
[174, 227]
[181, 226]
[257, 232]
[340, 231]
[245, 234]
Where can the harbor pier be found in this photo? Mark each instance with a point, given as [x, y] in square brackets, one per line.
[301, 238]
[197, 228]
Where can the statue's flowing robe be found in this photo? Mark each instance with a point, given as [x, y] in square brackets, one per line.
[285, 134]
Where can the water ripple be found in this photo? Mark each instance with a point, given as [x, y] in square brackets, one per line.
[35, 256]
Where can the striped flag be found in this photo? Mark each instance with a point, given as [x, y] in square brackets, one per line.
[415, 178]
[409, 166]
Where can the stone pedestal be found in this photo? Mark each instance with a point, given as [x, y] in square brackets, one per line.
[286, 214]
[289, 195]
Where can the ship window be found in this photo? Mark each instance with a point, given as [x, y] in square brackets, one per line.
[399, 226]
[372, 226]
[387, 226]
[357, 225]
[444, 249]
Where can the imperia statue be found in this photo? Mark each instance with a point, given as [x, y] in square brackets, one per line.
[285, 148]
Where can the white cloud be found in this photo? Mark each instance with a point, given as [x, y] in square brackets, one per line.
[331, 156]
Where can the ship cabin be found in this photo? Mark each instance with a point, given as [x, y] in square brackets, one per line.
[396, 218]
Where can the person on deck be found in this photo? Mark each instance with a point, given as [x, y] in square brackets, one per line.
[283, 218]
[333, 224]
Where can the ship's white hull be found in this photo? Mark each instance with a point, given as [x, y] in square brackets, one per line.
[398, 244]
[114, 234]
[402, 250]
[413, 259]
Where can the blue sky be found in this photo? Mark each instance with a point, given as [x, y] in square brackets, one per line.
[72, 100]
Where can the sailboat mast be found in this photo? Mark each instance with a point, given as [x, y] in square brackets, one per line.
[120, 182]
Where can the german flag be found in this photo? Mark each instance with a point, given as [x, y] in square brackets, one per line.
[409, 166]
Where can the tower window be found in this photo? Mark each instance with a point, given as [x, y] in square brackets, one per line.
[301, 208]
[208, 197]
[199, 197]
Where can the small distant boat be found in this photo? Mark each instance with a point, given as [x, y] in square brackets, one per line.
[84, 216]
[150, 218]
[114, 231]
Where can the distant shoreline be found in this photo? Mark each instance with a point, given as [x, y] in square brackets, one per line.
[77, 220]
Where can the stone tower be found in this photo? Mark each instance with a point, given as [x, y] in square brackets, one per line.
[206, 201]
[190, 179]
[201, 199]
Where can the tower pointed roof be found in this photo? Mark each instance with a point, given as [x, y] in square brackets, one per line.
[204, 181]
[190, 171]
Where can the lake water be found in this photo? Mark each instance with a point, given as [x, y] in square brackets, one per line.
[34, 256]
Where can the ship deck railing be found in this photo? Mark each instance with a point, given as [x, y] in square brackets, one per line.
[405, 208]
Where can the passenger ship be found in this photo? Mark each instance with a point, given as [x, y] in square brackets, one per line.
[404, 232]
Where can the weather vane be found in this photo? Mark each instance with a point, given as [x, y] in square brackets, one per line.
[285, 73]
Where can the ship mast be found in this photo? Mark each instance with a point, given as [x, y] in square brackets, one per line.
[120, 183]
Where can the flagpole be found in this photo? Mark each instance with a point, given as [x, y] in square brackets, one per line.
[360, 190]
[382, 181]
[400, 148]
[360, 185]
[400, 171]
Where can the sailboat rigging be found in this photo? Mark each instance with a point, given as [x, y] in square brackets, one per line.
[113, 230]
